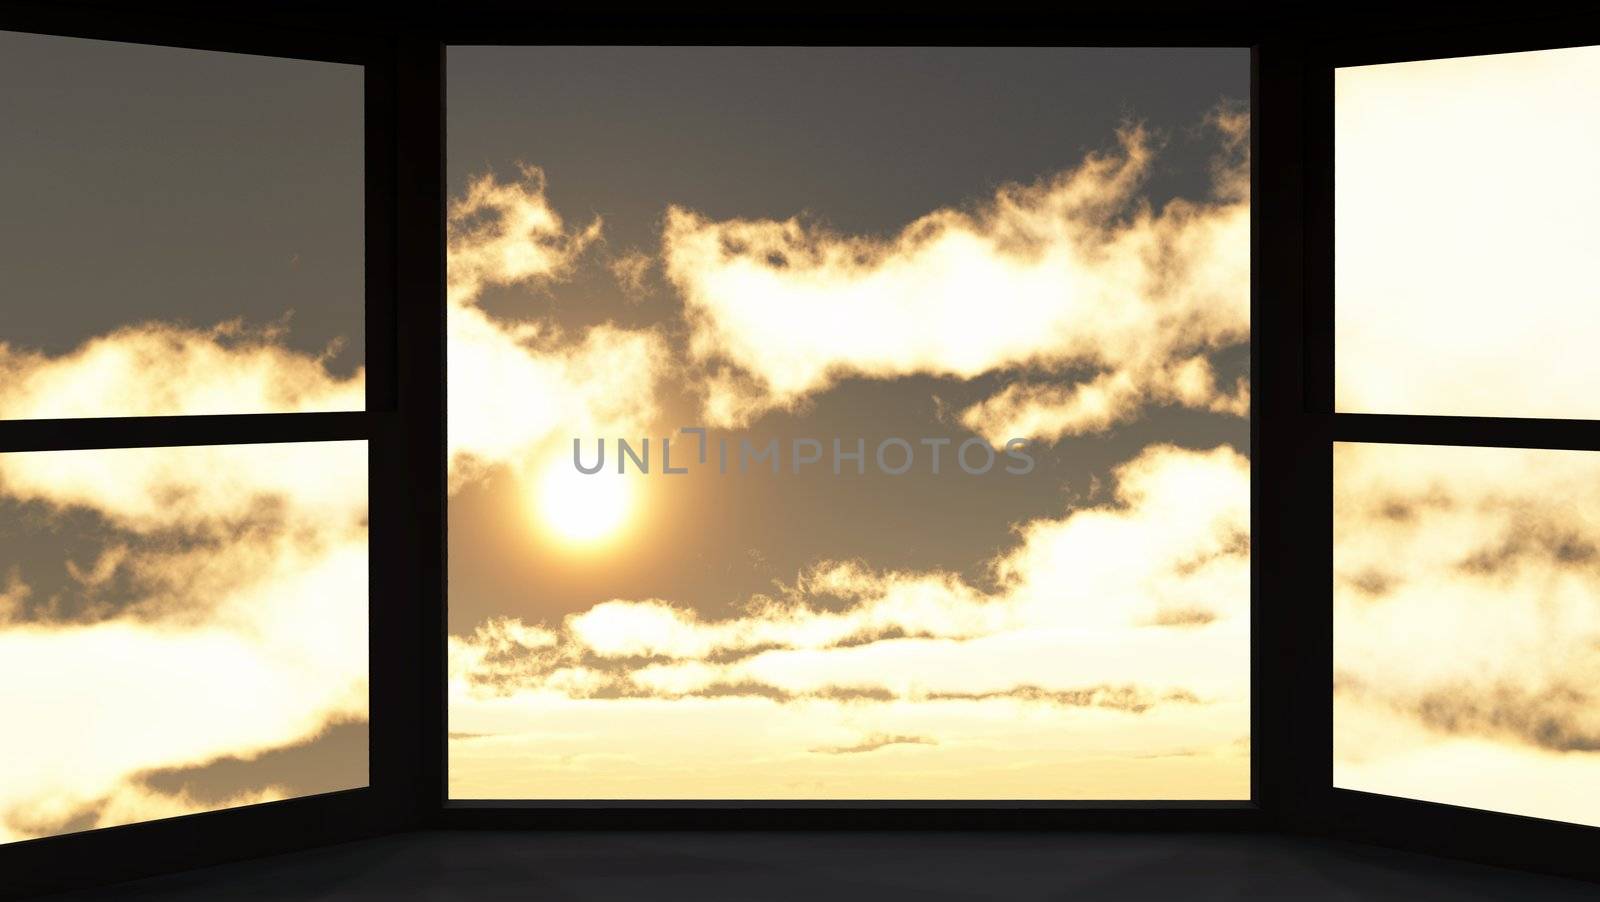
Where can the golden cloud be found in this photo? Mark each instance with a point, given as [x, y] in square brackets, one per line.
[1466, 633]
[1075, 626]
[602, 382]
[1072, 272]
[248, 632]
[163, 370]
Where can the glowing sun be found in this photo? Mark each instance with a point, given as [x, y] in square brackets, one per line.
[583, 508]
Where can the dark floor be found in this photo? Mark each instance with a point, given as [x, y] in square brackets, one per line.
[831, 867]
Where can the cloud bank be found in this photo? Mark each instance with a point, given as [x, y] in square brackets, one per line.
[1466, 632]
[1075, 272]
[1130, 616]
[241, 627]
[156, 369]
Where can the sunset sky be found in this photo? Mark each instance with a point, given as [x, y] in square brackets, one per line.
[181, 629]
[953, 248]
[1467, 580]
[1466, 627]
[851, 244]
[960, 246]
[1463, 185]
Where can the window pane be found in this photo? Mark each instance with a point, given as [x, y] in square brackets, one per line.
[183, 231]
[851, 260]
[1467, 627]
[181, 630]
[1466, 237]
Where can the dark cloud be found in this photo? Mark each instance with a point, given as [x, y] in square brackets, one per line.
[1372, 581]
[1537, 537]
[1549, 719]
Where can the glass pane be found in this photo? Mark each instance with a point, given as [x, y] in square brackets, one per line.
[1467, 627]
[1465, 235]
[181, 630]
[183, 231]
[969, 514]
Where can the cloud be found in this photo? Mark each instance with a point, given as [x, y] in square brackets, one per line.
[1465, 622]
[1121, 698]
[1185, 512]
[248, 565]
[506, 233]
[502, 233]
[519, 395]
[872, 744]
[631, 270]
[223, 613]
[222, 608]
[249, 631]
[1075, 627]
[156, 369]
[12, 597]
[1051, 412]
[521, 390]
[127, 804]
[144, 490]
[1073, 272]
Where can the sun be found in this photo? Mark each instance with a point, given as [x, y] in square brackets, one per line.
[582, 508]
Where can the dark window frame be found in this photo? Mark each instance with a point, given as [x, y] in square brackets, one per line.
[388, 801]
[1292, 428]
[1100, 814]
[1510, 840]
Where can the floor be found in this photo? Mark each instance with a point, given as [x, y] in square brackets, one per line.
[831, 867]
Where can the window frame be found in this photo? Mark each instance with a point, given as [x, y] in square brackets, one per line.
[388, 802]
[404, 424]
[1269, 769]
[1292, 430]
[1510, 840]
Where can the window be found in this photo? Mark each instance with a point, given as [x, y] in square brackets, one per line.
[915, 388]
[180, 644]
[770, 284]
[1466, 604]
[183, 232]
[1464, 235]
[183, 588]
[1465, 626]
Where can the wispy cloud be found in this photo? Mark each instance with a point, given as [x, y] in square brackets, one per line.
[872, 744]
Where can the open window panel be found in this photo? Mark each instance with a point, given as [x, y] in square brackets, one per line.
[197, 320]
[1456, 193]
[848, 427]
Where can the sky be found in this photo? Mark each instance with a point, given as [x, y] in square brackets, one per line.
[1424, 269]
[973, 247]
[182, 629]
[205, 207]
[966, 246]
[1466, 627]
[1467, 580]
